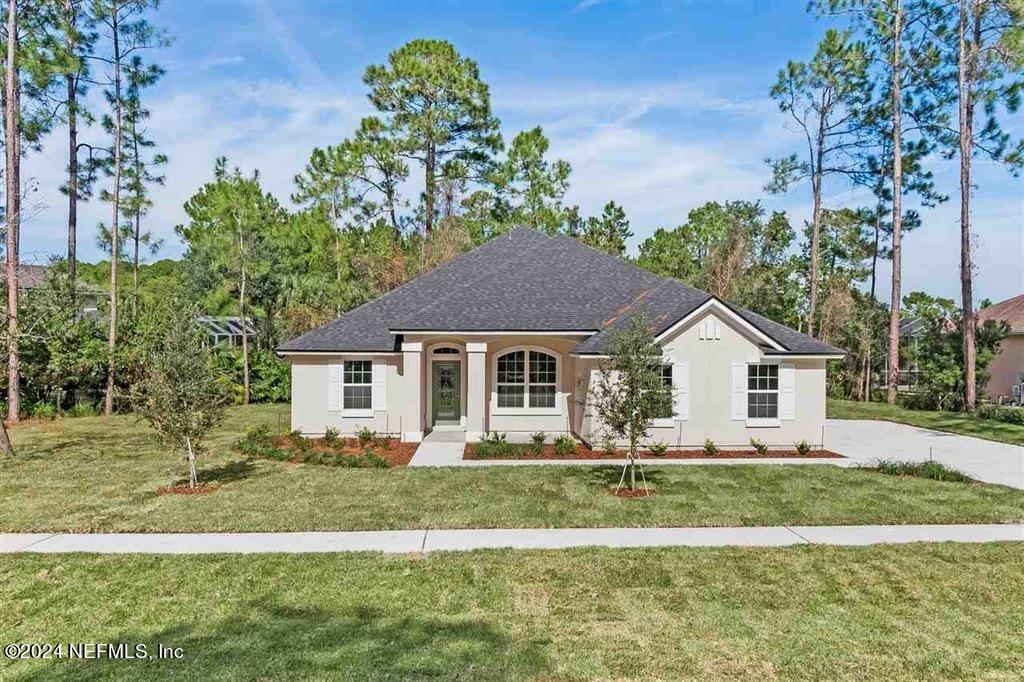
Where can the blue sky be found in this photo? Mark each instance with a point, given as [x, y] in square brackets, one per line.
[660, 106]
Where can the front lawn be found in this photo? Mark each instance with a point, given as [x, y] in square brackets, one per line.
[97, 474]
[953, 422]
[811, 613]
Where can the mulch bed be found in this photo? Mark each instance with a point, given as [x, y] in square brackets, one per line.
[395, 452]
[583, 452]
[185, 490]
[631, 494]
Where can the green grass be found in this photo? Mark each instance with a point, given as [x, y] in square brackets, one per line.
[952, 422]
[98, 474]
[914, 612]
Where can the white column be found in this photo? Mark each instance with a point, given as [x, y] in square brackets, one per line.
[476, 390]
[412, 392]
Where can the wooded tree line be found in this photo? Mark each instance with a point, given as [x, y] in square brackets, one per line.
[891, 85]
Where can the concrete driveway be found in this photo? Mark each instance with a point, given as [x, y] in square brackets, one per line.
[984, 460]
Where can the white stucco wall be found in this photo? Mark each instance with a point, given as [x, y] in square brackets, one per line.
[310, 413]
[710, 393]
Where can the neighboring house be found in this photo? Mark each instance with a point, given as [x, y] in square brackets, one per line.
[1006, 372]
[510, 336]
[32, 277]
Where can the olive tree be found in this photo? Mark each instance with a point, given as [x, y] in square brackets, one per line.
[179, 394]
[629, 391]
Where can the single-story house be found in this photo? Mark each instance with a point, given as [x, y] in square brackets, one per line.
[510, 337]
[1007, 368]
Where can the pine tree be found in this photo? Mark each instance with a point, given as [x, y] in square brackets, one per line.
[439, 111]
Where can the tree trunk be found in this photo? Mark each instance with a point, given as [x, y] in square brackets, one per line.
[137, 228]
[72, 180]
[71, 80]
[874, 251]
[12, 126]
[108, 406]
[897, 205]
[632, 471]
[966, 56]
[5, 441]
[245, 321]
[429, 191]
[193, 477]
[816, 187]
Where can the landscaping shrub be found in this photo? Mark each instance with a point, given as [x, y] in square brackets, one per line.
[82, 410]
[932, 470]
[495, 445]
[760, 447]
[1009, 415]
[607, 444]
[331, 435]
[802, 446]
[565, 444]
[710, 449]
[44, 411]
[382, 442]
[537, 441]
[365, 436]
[658, 449]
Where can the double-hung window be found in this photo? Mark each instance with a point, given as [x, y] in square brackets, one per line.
[527, 378]
[762, 391]
[357, 385]
[665, 372]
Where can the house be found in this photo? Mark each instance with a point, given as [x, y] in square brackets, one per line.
[510, 336]
[36, 278]
[1006, 372]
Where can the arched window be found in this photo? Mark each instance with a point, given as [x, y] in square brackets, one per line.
[527, 378]
[446, 350]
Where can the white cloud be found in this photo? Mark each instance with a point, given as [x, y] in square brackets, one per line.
[584, 5]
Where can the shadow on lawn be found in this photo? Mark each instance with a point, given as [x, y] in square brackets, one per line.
[273, 641]
[609, 476]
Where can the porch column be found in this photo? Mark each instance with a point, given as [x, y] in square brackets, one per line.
[476, 390]
[412, 392]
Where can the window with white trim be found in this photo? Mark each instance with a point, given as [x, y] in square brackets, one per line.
[518, 388]
[357, 385]
[762, 391]
[665, 372]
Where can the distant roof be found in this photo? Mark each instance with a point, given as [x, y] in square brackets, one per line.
[1011, 310]
[528, 281]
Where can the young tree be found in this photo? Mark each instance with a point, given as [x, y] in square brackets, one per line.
[629, 391]
[439, 111]
[126, 32]
[609, 231]
[179, 394]
[231, 221]
[12, 139]
[989, 61]
[824, 98]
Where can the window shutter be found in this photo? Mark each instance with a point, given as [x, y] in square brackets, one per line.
[739, 390]
[334, 390]
[681, 390]
[380, 398]
[787, 391]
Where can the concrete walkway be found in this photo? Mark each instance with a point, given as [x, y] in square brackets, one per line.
[420, 541]
[865, 441]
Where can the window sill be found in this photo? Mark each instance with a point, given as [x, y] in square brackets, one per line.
[763, 423]
[663, 422]
[346, 414]
[526, 412]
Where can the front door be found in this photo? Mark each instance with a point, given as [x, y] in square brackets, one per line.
[447, 394]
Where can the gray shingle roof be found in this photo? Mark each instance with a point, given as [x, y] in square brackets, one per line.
[527, 281]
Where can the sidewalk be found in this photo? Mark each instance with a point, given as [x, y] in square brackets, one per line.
[420, 541]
